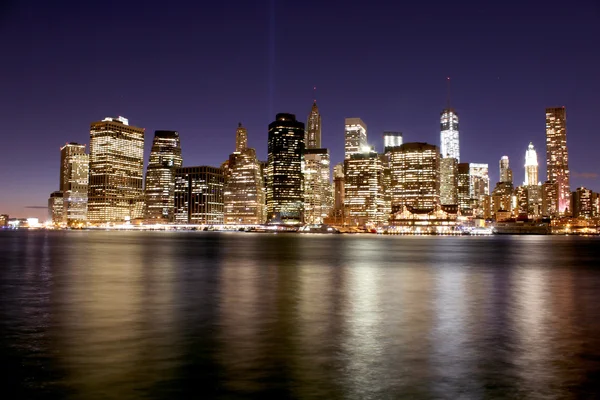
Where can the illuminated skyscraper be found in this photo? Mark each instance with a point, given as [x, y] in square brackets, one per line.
[550, 199]
[313, 128]
[391, 140]
[55, 207]
[355, 139]
[583, 203]
[531, 166]
[506, 174]
[363, 189]
[74, 166]
[449, 147]
[241, 138]
[284, 177]
[557, 157]
[479, 186]
[339, 191]
[244, 193]
[116, 191]
[199, 195]
[448, 181]
[464, 189]
[165, 158]
[415, 170]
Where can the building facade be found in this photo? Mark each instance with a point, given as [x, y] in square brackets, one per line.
[363, 190]
[355, 136]
[165, 158]
[55, 207]
[285, 194]
[479, 187]
[506, 174]
[557, 156]
[313, 128]
[415, 176]
[448, 181]
[550, 199]
[449, 140]
[318, 196]
[199, 195]
[391, 140]
[74, 175]
[464, 189]
[115, 191]
[531, 166]
[583, 203]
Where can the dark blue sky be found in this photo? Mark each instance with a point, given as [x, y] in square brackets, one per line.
[200, 69]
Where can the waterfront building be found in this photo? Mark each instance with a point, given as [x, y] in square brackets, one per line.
[479, 186]
[534, 201]
[318, 197]
[285, 195]
[448, 181]
[550, 199]
[3, 220]
[531, 166]
[115, 191]
[55, 207]
[165, 158]
[391, 140]
[502, 198]
[363, 189]
[415, 176]
[338, 194]
[74, 179]
[449, 140]
[506, 174]
[441, 220]
[464, 189]
[583, 203]
[244, 193]
[522, 202]
[199, 195]
[387, 184]
[557, 156]
[355, 137]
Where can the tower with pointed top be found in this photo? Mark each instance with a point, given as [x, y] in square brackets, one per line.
[313, 128]
[241, 138]
[531, 166]
[449, 143]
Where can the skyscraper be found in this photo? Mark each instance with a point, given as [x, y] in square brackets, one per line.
[116, 191]
[74, 166]
[448, 181]
[531, 166]
[479, 186]
[363, 189]
[165, 158]
[244, 193]
[355, 139]
[415, 170]
[313, 128]
[391, 140]
[55, 207]
[339, 192]
[464, 188]
[449, 144]
[284, 169]
[505, 171]
[199, 195]
[557, 157]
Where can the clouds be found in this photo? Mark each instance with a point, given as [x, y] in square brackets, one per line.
[585, 175]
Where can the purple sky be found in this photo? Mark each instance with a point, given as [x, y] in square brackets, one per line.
[201, 69]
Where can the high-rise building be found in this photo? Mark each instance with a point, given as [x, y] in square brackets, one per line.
[165, 158]
[313, 128]
[415, 183]
[479, 186]
[116, 191]
[318, 196]
[448, 181]
[464, 188]
[355, 139]
[531, 166]
[550, 199]
[285, 196]
[74, 175]
[506, 174]
[244, 193]
[391, 140]
[3, 220]
[199, 195]
[55, 207]
[557, 156]
[449, 143]
[583, 204]
[241, 138]
[363, 189]
[338, 191]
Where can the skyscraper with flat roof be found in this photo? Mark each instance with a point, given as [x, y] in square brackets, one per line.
[557, 156]
[74, 172]
[355, 136]
[449, 140]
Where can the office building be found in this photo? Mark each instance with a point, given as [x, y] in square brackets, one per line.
[415, 171]
[115, 191]
[557, 156]
[244, 193]
[448, 181]
[165, 158]
[531, 166]
[74, 179]
[313, 128]
[550, 199]
[506, 174]
[338, 192]
[391, 140]
[55, 207]
[479, 186]
[355, 139]
[318, 196]
[363, 190]
[464, 189]
[449, 143]
[199, 195]
[285, 196]
[3, 220]
[583, 203]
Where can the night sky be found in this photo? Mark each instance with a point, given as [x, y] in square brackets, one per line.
[200, 69]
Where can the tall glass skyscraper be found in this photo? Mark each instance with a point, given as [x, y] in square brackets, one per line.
[557, 156]
[355, 137]
[199, 195]
[285, 196]
[165, 158]
[364, 189]
[74, 175]
[449, 143]
[116, 190]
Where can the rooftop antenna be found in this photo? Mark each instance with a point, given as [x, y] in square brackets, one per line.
[448, 99]
[314, 94]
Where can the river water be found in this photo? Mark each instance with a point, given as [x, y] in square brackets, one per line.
[164, 315]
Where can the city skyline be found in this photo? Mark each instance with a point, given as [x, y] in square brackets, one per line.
[202, 96]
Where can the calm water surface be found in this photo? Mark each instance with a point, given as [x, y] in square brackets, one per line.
[158, 315]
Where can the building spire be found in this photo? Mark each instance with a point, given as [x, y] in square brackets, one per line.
[448, 95]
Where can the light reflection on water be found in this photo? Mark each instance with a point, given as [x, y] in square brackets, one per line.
[171, 315]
